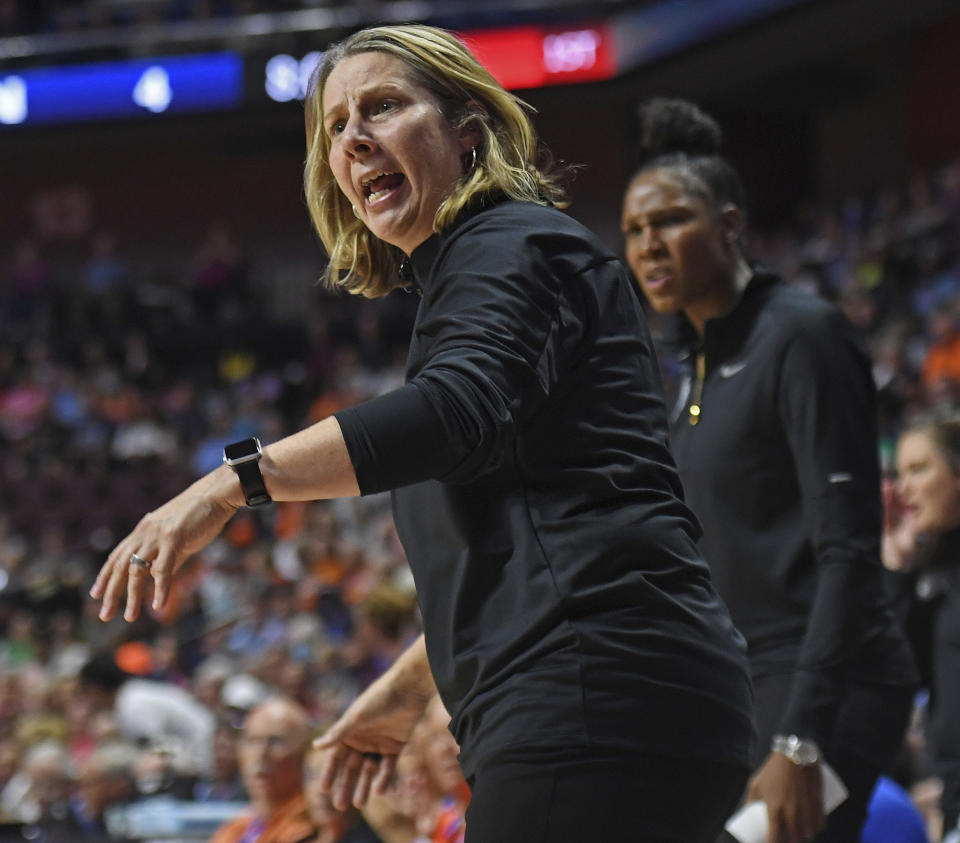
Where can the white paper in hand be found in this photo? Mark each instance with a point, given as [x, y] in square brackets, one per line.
[751, 825]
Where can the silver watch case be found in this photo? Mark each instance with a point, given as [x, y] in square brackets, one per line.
[801, 752]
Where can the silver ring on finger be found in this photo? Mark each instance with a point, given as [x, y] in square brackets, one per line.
[139, 562]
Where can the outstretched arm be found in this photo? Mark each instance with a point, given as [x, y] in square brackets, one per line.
[310, 465]
[368, 737]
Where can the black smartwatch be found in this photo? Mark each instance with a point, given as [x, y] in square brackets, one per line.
[244, 458]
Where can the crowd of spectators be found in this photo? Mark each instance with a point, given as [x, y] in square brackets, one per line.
[110, 378]
[111, 368]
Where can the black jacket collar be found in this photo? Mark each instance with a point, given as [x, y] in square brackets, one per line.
[415, 270]
[682, 338]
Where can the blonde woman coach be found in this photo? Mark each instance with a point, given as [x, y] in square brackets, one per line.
[597, 687]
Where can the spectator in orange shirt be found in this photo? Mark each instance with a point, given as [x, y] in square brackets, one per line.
[275, 738]
[942, 361]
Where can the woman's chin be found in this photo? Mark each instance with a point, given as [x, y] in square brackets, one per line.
[665, 305]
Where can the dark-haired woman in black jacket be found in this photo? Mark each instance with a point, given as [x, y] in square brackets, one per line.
[773, 432]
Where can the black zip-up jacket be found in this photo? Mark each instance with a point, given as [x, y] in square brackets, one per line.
[781, 469]
[564, 601]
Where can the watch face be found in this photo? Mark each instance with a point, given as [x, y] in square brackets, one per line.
[239, 450]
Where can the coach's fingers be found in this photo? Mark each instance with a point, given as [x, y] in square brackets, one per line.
[388, 764]
[138, 578]
[162, 571]
[361, 791]
[116, 570]
[346, 784]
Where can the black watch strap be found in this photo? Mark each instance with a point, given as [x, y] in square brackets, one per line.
[251, 481]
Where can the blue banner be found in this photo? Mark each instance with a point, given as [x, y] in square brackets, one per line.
[121, 89]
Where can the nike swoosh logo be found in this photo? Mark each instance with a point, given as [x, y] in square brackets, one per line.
[731, 369]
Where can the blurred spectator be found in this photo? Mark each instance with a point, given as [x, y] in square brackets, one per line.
[208, 453]
[386, 623]
[209, 678]
[242, 693]
[67, 652]
[166, 660]
[158, 770]
[80, 738]
[264, 627]
[150, 712]
[942, 361]
[29, 281]
[104, 296]
[25, 405]
[10, 758]
[220, 277]
[19, 645]
[40, 790]
[275, 739]
[224, 784]
[143, 436]
[227, 584]
[105, 781]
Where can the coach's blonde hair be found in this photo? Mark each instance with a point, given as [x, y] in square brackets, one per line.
[468, 96]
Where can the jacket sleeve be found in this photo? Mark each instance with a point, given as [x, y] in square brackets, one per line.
[489, 321]
[827, 408]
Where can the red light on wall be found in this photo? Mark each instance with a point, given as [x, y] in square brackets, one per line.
[531, 56]
[578, 55]
[512, 55]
